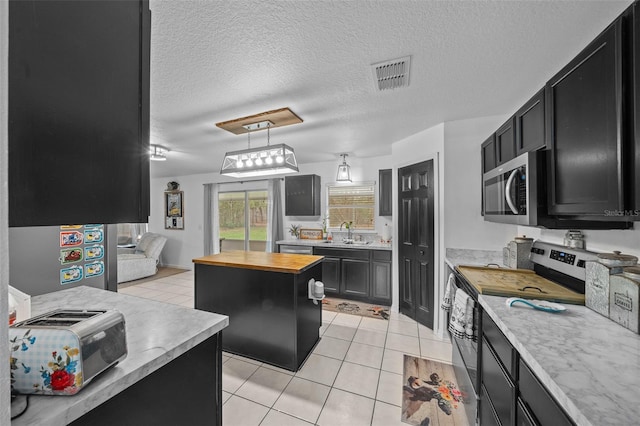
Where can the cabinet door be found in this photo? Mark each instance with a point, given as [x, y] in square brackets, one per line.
[584, 104]
[489, 154]
[78, 112]
[530, 125]
[302, 195]
[355, 277]
[539, 402]
[381, 280]
[506, 142]
[384, 193]
[499, 388]
[636, 108]
[331, 275]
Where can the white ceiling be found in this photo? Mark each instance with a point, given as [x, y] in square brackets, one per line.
[214, 61]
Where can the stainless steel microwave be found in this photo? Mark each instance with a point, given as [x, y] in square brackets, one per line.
[510, 191]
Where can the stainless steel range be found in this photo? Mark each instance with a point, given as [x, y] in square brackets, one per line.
[559, 275]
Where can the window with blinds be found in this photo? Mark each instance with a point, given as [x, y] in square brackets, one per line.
[352, 203]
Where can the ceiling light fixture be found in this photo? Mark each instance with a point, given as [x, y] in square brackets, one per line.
[262, 161]
[157, 152]
[344, 170]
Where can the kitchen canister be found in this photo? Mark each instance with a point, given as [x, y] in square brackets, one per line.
[574, 239]
[598, 279]
[520, 253]
[624, 296]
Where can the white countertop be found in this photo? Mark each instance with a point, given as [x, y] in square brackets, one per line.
[590, 364]
[156, 334]
[336, 244]
[455, 257]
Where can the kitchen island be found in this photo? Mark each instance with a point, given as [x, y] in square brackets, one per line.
[589, 364]
[265, 296]
[171, 375]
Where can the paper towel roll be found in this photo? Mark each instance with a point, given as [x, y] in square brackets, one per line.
[318, 289]
[386, 232]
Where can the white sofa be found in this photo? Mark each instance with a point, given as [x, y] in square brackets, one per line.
[142, 261]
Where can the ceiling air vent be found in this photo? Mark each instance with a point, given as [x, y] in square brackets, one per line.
[392, 74]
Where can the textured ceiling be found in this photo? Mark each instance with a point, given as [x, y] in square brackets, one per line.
[214, 61]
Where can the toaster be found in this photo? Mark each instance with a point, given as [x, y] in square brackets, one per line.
[60, 352]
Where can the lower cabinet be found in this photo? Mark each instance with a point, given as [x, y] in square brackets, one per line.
[511, 394]
[358, 274]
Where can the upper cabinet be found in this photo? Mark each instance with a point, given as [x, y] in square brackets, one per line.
[506, 142]
[385, 200]
[584, 107]
[488, 150]
[78, 112]
[302, 195]
[635, 110]
[530, 125]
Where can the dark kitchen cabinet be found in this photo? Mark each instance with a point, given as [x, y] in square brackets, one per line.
[634, 155]
[584, 116]
[355, 277]
[537, 404]
[302, 195]
[331, 275]
[506, 142]
[488, 150]
[78, 112]
[497, 377]
[385, 200]
[357, 274]
[530, 125]
[380, 289]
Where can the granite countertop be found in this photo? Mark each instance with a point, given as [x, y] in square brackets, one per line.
[589, 363]
[455, 257]
[335, 244]
[272, 262]
[156, 334]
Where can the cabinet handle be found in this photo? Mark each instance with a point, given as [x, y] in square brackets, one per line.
[421, 252]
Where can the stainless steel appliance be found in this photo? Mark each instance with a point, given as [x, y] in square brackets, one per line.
[294, 249]
[559, 275]
[60, 352]
[510, 191]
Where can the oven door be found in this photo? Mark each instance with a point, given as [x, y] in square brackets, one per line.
[465, 356]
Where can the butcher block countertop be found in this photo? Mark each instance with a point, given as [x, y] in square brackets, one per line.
[272, 262]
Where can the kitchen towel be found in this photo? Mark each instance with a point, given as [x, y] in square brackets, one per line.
[446, 300]
[461, 321]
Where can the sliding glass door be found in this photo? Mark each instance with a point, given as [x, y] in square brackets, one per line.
[243, 220]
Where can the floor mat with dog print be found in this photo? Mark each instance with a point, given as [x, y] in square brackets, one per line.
[430, 395]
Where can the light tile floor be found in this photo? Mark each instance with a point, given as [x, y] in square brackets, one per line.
[353, 377]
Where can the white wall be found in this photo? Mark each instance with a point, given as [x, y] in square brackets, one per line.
[5, 401]
[464, 225]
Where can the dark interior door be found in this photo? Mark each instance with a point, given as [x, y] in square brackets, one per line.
[415, 231]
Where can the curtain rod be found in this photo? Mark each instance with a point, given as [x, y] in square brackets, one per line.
[242, 181]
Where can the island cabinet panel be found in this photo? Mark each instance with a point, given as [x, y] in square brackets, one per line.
[187, 390]
[78, 126]
[271, 318]
[584, 116]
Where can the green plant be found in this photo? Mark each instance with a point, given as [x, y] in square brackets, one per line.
[325, 221]
[294, 230]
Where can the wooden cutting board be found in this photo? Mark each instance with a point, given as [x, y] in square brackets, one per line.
[518, 283]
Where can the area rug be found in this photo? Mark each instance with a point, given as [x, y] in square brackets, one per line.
[430, 395]
[162, 273]
[355, 308]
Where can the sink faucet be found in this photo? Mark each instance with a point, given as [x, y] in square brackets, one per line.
[349, 226]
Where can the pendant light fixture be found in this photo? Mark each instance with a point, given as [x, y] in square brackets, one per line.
[157, 152]
[344, 171]
[262, 161]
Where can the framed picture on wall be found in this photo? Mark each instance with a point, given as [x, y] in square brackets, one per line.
[174, 210]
